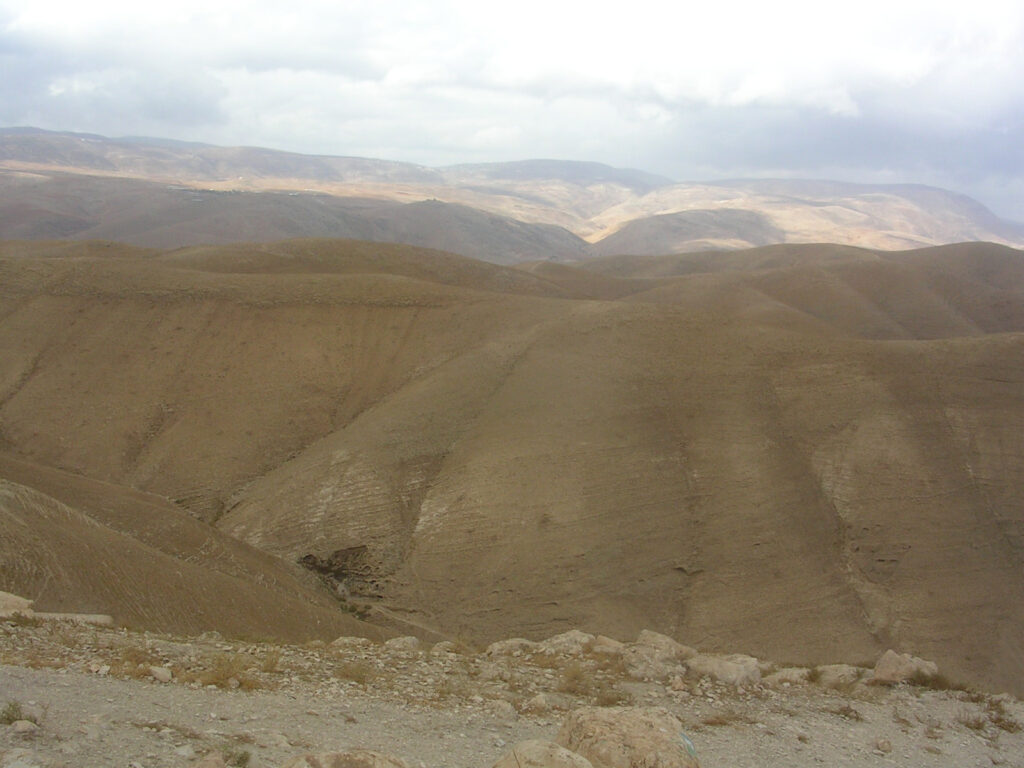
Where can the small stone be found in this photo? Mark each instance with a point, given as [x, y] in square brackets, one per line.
[539, 704]
[161, 674]
[24, 727]
[883, 745]
[502, 709]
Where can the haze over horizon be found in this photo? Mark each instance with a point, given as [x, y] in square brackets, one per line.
[927, 93]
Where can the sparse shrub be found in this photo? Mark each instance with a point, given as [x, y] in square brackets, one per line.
[576, 680]
[611, 696]
[814, 675]
[973, 720]
[612, 664]
[134, 662]
[224, 668]
[451, 687]
[935, 682]
[546, 660]
[271, 660]
[727, 717]
[998, 716]
[356, 671]
[13, 712]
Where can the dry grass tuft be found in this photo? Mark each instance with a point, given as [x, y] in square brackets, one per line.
[355, 671]
[973, 720]
[578, 680]
[133, 662]
[1000, 718]
[727, 717]
[271, 660]
[13, 713]
[226, 671]
[546, 660]
[936, 682]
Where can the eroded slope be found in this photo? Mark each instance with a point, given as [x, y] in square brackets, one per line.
[807, 454]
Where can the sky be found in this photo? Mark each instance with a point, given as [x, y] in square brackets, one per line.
[880, 92]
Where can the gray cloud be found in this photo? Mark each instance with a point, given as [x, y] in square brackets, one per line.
[933, 93]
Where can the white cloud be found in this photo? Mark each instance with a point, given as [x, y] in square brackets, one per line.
[460, 80]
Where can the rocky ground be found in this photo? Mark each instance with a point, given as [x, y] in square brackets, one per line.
[79, 695]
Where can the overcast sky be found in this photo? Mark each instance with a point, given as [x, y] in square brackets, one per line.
[929, 92]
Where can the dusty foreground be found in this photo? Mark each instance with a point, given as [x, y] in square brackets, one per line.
[97, 700]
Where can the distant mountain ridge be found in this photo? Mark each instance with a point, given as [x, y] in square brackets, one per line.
[54, 184]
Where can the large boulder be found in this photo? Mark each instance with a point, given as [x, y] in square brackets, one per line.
[628, 737]
[571, 643]
[12, 604]
[607, 646]
[515, 646]
[406, 644]
[356, 758]
[834, 675]
[736, 669]
[667, 645]
[895, 667]
[541, 754]
[655, 656]
[353, 643]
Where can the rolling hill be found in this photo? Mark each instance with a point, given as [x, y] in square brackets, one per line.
[801, 452]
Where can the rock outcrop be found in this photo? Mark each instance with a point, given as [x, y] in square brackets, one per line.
[628, 737]
[894, 667]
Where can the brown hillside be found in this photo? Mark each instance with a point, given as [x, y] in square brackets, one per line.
[67, 561]
[812, 456]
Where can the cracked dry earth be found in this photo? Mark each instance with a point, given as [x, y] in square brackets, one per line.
[97, 699]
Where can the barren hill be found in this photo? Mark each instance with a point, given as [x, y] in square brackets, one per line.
[167, 194]
[807, 453]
